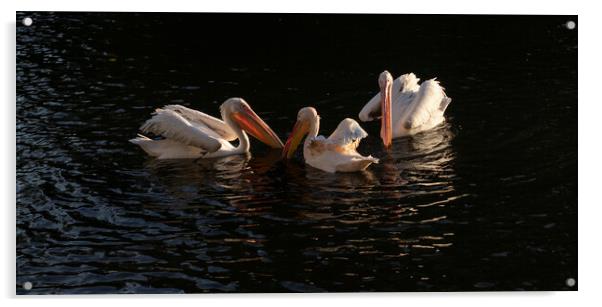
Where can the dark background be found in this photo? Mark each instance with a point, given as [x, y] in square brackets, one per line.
[487, 201]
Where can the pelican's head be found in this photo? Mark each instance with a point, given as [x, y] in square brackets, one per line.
[305, 118]
[385, 79]
[238, 111]
[385, 82]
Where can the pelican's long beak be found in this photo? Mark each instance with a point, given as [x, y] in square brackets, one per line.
[255, 126]
[300, 129]
[386, 128]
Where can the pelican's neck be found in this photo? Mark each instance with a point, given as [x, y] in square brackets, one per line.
[243, 140]
[314, 127]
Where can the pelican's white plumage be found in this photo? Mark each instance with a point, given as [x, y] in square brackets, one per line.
[170, 124]
[414, 107]
[190, 134]
[215, 125]
[337, 153]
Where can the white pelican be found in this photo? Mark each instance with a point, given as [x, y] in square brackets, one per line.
[190, 134]
[337, 153]
[405, 107]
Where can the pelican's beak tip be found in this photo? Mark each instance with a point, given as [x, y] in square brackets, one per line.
[299, 131]
[255, 126]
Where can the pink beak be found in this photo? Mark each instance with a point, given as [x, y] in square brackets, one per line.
[386, 128]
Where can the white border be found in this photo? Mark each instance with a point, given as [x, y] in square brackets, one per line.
[313, 6]
[590, 155]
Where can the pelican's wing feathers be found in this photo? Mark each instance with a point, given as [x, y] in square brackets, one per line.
[347, 132]
[343, 140]
[337, 153]
[174, 126]
[430, 101]
[196, 117]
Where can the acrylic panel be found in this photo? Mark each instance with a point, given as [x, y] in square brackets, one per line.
[476, 192]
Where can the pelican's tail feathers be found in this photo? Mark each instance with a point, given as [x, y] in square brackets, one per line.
[146, 144]
[356, 164]
[139, 139]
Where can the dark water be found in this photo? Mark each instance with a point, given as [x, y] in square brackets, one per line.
[487, 201]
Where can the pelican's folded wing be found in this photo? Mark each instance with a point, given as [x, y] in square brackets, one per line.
[348, 132]
[196, 117]
[173, 125]
[337, 153]
[429, 101]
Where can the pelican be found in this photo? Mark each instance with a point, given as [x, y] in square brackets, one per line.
[190, 134]
[404, 107]
[337, 153]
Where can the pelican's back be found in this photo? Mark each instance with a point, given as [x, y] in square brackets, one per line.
[338, 153]
[427, 108]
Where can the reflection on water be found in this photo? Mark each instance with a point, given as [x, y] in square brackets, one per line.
[462, 207]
